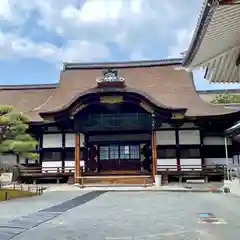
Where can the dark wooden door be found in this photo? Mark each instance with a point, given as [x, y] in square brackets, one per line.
[119, 157]
[129, 157]
[108, 157]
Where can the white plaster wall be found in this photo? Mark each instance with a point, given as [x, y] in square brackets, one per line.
[70, 140]
[82, 139]
[51, 166]
[212, 140]
[70, 165]
[31, 161]
[52, 140]
[214, 161]
[166, 137]
[189, 137]
[10, 159]
[164, 164]
[22, 160]
[195, 164]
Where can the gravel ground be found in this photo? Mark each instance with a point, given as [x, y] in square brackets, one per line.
[121, 216]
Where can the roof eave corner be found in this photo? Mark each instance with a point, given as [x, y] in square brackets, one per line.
[198, 34]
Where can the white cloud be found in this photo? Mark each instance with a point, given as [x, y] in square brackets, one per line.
[12, 45]
[133, 25]
[183, 39]
[5, 10]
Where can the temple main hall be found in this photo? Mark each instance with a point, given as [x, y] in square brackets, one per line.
[122, 118]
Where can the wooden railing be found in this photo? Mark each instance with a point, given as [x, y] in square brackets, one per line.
[46, 170]
[160, 168]
[191, 168]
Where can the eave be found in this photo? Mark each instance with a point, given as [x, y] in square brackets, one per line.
[216, 42]
[233, 130]
[118, 65]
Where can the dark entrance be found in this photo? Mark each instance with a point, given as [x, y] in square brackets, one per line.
[119, 157]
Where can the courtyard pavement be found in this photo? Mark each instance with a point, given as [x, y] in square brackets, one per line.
[123, 215]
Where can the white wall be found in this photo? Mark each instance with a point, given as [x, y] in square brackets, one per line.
[69, 139]
[51, 166]
[189, 137]
[214, 140]
[10, 159]
[166, 137]
[213, 161]
[82, 139]
[70, 165]
[195, 164]
[52, 140]
[164, 164]
[22, 160]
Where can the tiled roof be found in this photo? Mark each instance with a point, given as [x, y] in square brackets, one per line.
[165, 82]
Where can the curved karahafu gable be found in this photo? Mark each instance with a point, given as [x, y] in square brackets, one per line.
[164, 83]
[216, 42]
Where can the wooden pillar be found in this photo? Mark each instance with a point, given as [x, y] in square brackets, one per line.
[154, 153]
[40, 147]
[77, 158]
[177, 149]
[202, 148]
[63, 153]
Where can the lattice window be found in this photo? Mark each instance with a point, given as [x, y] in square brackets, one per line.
[104, 153]
[114, 152]
[134, 152]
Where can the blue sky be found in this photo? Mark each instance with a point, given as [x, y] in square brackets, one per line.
[36, 36]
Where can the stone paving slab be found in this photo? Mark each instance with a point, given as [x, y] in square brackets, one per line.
[63, 207]
[16, 226]
[126, 215]
[153, 188]
[19, 207]
[143, 215]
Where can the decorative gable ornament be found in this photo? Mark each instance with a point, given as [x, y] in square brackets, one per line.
[110, 77]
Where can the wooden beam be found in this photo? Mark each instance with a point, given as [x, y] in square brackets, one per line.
[154, 154]
[77, 158]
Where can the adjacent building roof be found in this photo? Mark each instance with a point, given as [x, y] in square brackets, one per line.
[216, 41]
[165, 81]
[28, 99]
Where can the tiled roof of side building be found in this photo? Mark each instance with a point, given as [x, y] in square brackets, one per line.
[203, 23]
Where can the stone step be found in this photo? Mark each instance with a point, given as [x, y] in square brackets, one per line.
[118, 180]
[195, 181]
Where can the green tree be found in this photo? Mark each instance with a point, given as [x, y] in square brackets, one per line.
[13, 134]
[226, 98]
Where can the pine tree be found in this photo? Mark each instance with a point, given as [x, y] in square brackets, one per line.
[14, 137]
[225, 98]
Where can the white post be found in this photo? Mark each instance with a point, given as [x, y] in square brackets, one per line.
[226, 155]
